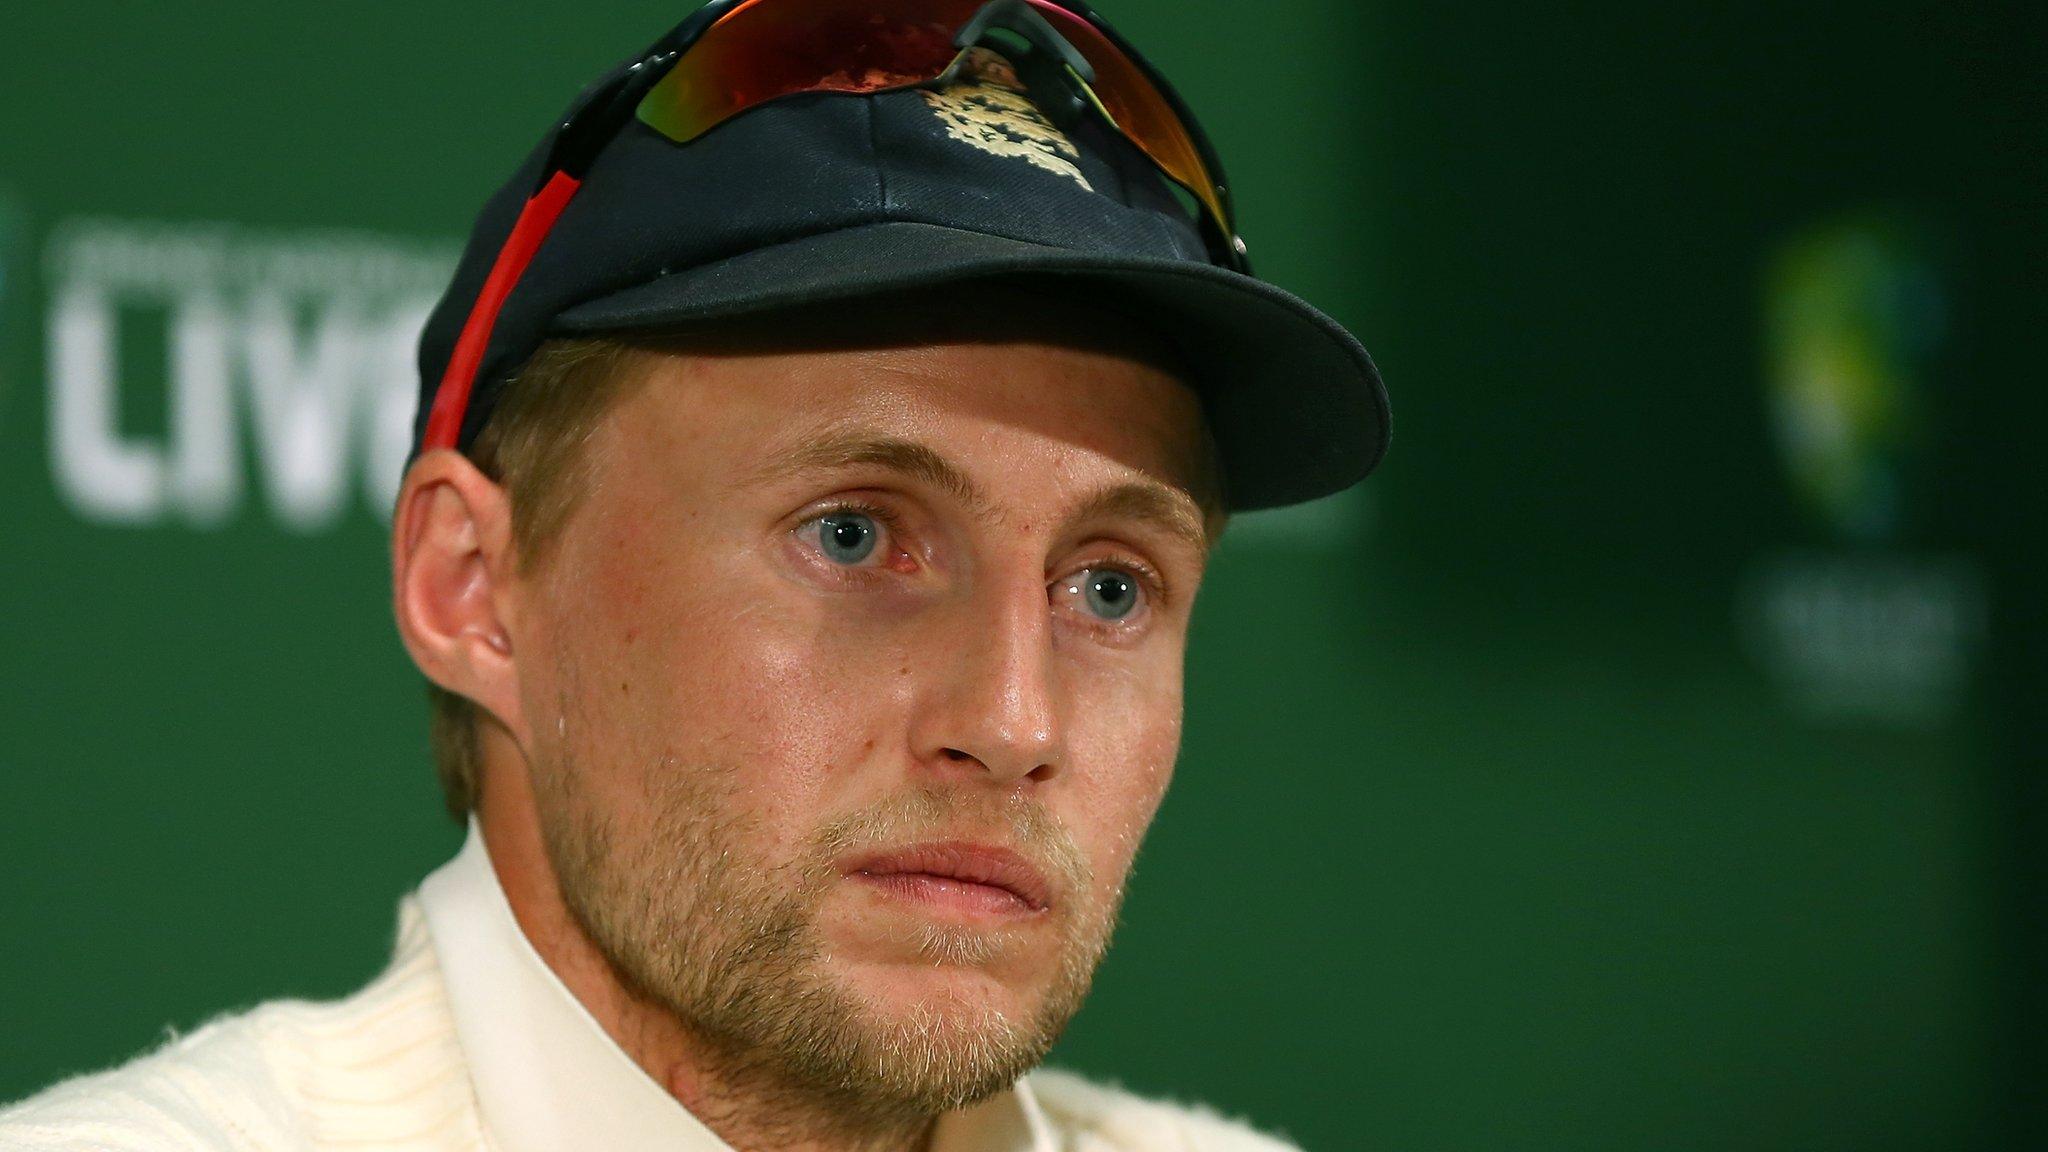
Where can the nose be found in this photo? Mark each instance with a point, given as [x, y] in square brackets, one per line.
[992, 702]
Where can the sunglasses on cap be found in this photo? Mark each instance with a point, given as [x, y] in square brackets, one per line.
[734, 55]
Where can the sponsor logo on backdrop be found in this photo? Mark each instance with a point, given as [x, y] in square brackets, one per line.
[195, 369]
[1866, 626]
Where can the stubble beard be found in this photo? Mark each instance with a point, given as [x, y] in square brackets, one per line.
[731, 945]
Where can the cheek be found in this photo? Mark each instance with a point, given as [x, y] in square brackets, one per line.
[1123, 748]
[713, 664]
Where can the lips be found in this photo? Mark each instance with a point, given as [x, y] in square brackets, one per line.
[974, 867]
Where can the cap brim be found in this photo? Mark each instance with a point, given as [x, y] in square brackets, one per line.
[1296, 404]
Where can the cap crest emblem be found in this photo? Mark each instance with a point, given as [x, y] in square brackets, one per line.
[992, 113]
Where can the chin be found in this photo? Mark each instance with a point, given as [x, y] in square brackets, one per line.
[958, 1018]
[904, 978]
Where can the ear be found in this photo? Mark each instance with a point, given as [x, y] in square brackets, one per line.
[452, 587]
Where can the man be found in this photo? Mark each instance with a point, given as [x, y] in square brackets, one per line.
[810, 498]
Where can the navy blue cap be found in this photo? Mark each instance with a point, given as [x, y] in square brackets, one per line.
[828, 197]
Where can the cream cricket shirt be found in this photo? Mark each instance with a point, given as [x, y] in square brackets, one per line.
[469, 1043]
[549, 1077]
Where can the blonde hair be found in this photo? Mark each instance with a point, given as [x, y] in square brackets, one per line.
[532, 445]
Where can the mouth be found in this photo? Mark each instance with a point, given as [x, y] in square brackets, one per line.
[956, 876]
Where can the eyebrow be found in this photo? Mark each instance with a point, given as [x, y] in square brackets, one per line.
[1145, 501]
[1150, 503]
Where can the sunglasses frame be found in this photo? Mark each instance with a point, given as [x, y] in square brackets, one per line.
[593, 123]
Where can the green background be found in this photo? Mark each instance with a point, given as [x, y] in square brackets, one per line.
[1491, 830]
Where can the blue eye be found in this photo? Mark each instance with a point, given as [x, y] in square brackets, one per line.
[847, 537]
[1109, 594]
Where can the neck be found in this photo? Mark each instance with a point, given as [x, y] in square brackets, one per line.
[748, 1106]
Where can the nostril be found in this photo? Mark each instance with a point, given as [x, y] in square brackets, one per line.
[1003, 763]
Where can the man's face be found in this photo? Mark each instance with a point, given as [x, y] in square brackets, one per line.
[853, 684]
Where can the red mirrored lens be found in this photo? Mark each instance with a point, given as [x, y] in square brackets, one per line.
[1141, 111]
[765, 49]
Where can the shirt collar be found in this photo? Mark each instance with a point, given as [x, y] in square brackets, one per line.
[548, 1076]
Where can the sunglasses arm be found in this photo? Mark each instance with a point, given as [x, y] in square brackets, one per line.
[536, 219]
[583, 133]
